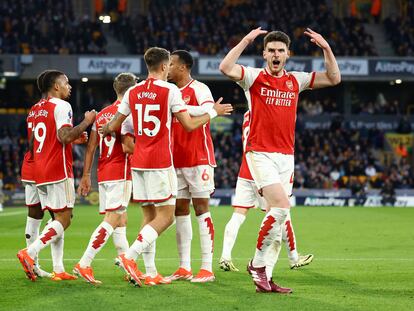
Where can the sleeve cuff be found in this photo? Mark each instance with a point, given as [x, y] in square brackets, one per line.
[312, 80]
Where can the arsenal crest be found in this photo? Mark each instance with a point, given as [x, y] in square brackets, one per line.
[289, 84]
[187, 99]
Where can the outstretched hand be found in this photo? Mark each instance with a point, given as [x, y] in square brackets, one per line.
[222, 109]
[254, 34]
[316, 38]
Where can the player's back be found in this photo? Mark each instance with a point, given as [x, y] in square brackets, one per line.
[113, 163]
[53, 160]
[195, 147]
[151, 103]
[27, 173]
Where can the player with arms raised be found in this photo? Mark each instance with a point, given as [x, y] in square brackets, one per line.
[51, 146]
[152, 104]
[114, 179]
[272, 94]
[246, 197]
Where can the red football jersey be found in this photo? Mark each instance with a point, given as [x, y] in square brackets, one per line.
[113, 163]
[244, 171]
[151, 103]
[53, 160]
[272, 103]
[28, 162]
[195, 147]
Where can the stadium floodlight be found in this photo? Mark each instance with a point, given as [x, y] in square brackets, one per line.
[84, 79]
[10, 73]
[398, 81]
[106, 19]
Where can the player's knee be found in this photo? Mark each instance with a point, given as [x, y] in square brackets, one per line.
[36, 212]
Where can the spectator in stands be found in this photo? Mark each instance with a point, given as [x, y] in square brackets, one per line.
[213, 27]
[39, 27]
[388, 193]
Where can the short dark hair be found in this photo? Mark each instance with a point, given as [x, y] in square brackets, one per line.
[185, 58]
[39, 79]
[123, 82]
[276, 36]
[155, 56]
[49, 78]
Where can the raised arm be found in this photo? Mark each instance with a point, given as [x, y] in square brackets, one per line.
[332, 75]
[228, 65]
[85, 183]
[68, 134]
[191, 123]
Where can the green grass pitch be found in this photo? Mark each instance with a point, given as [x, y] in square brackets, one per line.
[364, 260]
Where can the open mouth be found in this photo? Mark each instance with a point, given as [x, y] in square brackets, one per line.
[276, 62]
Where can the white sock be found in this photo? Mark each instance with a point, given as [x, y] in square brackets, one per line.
[148, 255]
[50, 233]
[272, 256]
[32, 230]
[120, 240]
[97, 241]
[184, 235]
[230, 234]
[269, 232]
[206, 227]
[146, 236]
[56, 248]
[288, 236]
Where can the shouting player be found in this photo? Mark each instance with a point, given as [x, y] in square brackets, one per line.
[114, 179]
[194, 161]
[153, 103]
[247, 197]
[272, 94]
[51, 147]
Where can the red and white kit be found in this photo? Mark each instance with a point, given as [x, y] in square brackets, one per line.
[151, 104]
[247, 194]
[53, 160]
[28, 179]
[193, 152]
[114, 171]
[272, 104]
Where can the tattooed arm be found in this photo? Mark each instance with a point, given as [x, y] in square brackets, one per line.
[68, 135]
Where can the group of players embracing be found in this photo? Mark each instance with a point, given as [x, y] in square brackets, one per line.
[154, 142]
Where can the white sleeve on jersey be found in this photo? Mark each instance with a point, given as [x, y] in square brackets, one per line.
[124, 107]
[305, 79]
[127, 126]
[248, 76]
[196, 111]
[93, 127]
[63, 114]
[204, 100]
[175, 100]
[202, 93]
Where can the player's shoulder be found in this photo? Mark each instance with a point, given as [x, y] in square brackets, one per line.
[297, 74]
[253, 70]
[165, 84]
[59, 102]
[199, 86]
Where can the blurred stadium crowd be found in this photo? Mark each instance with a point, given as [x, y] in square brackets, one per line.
[204, 27]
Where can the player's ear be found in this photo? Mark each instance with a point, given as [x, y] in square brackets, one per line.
[288, 53]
